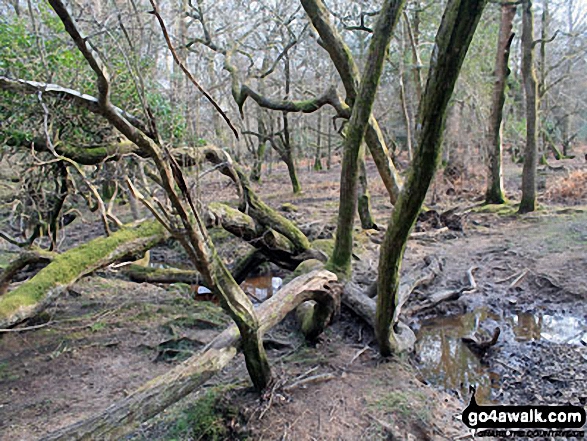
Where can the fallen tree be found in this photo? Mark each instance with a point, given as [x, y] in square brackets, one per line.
[153, 397]
[65, 269]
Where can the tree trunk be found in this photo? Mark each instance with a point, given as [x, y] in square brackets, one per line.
[495, 192]
[452, 42]
[122, 417]
[37, 293]
[348, 71]
[360, 116]
[364, 198]
[528, 202]
[194, 237]
[288, 152]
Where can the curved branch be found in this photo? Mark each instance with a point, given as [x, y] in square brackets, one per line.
[306, 106]
[185, 70]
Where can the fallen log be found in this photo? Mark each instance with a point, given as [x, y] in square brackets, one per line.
[24, 259]
[36, 294]
[153, 397]
[276, 247]
[147, 274]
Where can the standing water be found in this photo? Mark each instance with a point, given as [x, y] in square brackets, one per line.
[445, 361]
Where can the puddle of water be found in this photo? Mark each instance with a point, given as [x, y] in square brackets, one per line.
[553, 328]
[260, 288]
[445, 361]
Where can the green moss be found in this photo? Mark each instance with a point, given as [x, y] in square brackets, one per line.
[288, 207]
[205, 316]
[305, 267]
[68, 266]
[325, 245]
[6, 257]
[395, 401]
[6, 374]
[204, 419]
[506, 209]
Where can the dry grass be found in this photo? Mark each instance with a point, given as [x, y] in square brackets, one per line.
[570, 190]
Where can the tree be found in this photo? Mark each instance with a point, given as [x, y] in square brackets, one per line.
[452, 42]
[495, 191]
[528, 202]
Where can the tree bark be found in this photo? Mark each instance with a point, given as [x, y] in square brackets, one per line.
[452, 42]
[528, 202]
[364, 198]
[153, 397]
[495, 191]
[194, 237]
[360, 116]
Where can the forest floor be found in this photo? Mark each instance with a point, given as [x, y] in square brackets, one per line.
[108, 336]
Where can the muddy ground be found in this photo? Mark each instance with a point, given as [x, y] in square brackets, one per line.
[108, 336]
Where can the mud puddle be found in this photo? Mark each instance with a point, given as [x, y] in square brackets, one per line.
[446, 362]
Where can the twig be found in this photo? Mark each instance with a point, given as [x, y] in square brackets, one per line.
[472, 282]
[185, 70]
[27, 328]
[358, 354]
[315, 379]
[518, 279]
[508, 278]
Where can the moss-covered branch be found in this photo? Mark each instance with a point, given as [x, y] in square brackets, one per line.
[305, 106]
[65, 269]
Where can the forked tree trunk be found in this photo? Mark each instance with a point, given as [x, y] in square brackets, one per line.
[495, 191]
[348, 71]
[364, 198]
[452, 42]
[528, 202]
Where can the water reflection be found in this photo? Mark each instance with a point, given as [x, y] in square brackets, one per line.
[554, 328]
[260, 288]
[445, 361]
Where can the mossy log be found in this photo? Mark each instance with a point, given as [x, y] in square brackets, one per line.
[24, 259]
[37, 293]
[146, 274]
[155, 396]
[252, 205]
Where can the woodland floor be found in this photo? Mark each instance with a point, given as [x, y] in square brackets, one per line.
[108, 336]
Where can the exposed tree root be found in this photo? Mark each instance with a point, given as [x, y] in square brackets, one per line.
[363, 304]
